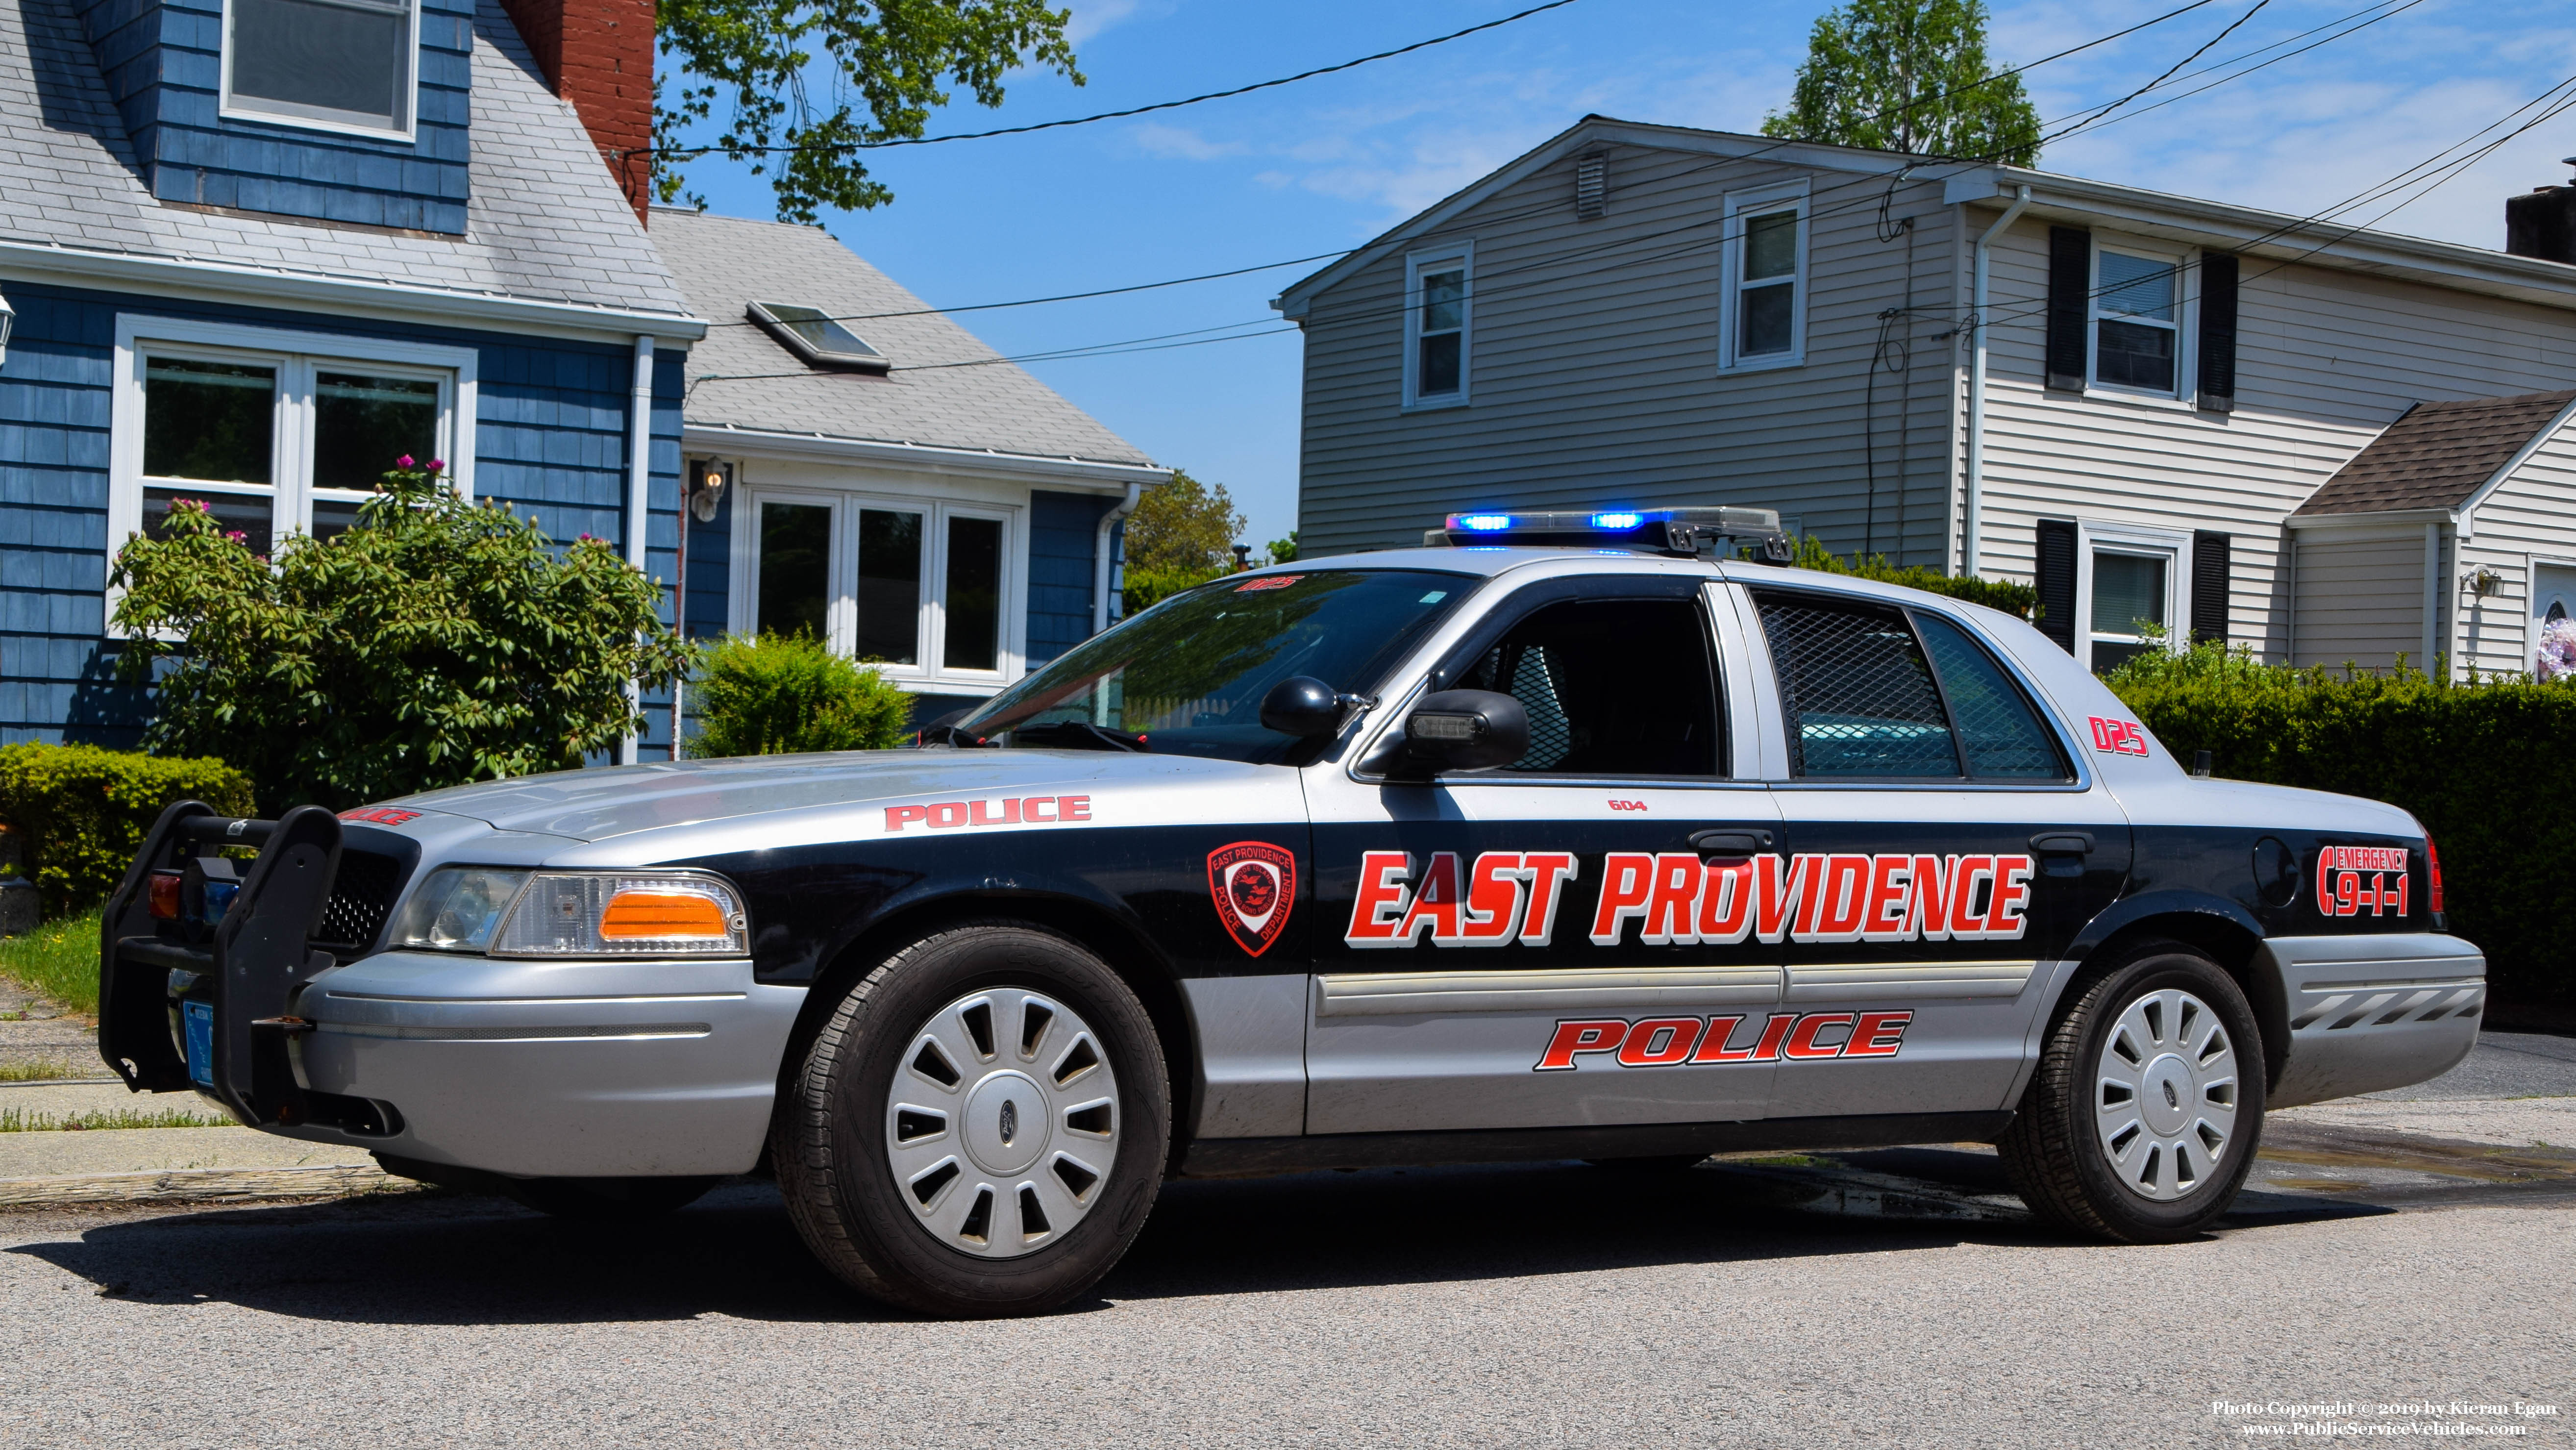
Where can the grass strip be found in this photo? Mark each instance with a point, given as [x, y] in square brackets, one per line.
[45, 1071]
[22, 1120]
[59, 959]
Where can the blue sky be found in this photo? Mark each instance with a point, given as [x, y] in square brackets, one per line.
[1328, 163]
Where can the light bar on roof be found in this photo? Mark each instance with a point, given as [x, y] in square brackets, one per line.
[1688, 532]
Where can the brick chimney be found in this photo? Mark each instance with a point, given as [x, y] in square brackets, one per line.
[2543, 224]
[598, 54]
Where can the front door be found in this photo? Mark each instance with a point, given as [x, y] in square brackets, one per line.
[1941, 850]
[1532, 946]
[2553, 604]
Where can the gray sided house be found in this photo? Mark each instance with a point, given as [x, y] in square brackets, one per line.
[257, 283]
[2322, 443]
[886, 481]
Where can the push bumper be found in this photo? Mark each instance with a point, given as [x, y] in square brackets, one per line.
[550, 1069]
[2370, 1013]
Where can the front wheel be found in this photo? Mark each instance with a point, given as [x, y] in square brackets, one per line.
[2141, 1121]
[979, 1127]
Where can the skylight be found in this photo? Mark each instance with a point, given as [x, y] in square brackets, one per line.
[814, 335]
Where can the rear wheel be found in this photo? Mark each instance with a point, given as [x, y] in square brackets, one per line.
[2141, 1121]
[979, 1127]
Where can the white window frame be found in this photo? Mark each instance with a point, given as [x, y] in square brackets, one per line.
[841, 611]
[250, 110]
[1740, 206]
[2186, 320]
[2171, 545]
[297, 357]
[1458, 258]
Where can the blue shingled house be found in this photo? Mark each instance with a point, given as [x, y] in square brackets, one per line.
[254, 249]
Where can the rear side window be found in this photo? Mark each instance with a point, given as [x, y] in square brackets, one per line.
[1612, 687]
[1998, 730]
[1875, 692]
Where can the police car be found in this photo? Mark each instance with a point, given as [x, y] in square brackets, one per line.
[1563, 836]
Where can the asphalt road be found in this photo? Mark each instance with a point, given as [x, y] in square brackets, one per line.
[1895, 1297]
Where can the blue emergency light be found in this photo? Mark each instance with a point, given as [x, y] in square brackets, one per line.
[1687, 532]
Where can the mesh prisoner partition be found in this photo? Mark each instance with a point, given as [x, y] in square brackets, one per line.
[1857, 691]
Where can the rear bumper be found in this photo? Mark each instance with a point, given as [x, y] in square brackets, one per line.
[2370, 1013]
[544, 1069]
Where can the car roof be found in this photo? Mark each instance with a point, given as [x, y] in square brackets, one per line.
[1491, 561]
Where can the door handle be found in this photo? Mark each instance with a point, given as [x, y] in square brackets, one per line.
[1730, 843]
[2062, 843]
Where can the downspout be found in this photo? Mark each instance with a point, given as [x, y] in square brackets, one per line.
[1100, 556]
[1972, 546]
[639, 479]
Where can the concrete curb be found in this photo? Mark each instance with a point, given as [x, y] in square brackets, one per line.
[196, 1185]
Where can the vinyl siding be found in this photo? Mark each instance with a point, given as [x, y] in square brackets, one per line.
[1594, 373]
[2530, 519]
[2360, 596]
[2325, 360]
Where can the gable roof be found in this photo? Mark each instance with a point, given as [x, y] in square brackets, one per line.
[545, 222]
[946, 388]
[2249, 230]
[2438, 455]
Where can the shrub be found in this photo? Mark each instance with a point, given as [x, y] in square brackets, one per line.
[436, 643]
[2018, 600]
[2482, 764]
[782, 694]
[84, 811]
[1148, 587]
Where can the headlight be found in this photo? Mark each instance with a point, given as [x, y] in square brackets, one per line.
[574, 914]
[623, 913]
[457, 907]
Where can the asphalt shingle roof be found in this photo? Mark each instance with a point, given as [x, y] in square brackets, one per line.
[2436, 455]
[741, 376]
[545, 221]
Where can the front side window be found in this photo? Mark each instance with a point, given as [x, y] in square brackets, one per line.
[344, 64]
[276, 443]
[1764, 315]
[1611, 687]
[1436, 329]
[1187, 676]
[1875, 692]
[2131, 590]
[2136, 321]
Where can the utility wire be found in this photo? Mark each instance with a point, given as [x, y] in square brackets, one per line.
[690, 153]
[1492, 219]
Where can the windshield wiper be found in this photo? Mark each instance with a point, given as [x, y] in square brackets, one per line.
[1078, 735]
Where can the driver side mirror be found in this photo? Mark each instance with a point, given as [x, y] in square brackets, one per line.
[1466, 730]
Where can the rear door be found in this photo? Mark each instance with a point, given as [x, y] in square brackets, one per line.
[1943, 845]
[1531, 946]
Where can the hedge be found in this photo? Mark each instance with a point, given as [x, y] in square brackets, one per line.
[776, 694]
[2018, 600]
[2485, 765]
[83, 811]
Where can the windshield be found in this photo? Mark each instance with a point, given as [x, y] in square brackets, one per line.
[1187, 676]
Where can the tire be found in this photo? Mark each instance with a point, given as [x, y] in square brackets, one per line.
[599, 1200]
[2147, 1106]
[979, 1127]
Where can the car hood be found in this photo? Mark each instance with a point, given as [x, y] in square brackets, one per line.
[597, 804]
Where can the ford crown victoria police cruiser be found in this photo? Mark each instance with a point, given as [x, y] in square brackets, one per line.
[1561, 836]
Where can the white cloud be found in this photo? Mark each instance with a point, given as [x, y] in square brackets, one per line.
[1091, 17]
[1181, 143]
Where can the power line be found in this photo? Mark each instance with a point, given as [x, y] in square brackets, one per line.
[692, 152]
[1492, 219]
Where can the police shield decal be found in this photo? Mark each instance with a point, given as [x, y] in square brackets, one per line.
[1254, 884]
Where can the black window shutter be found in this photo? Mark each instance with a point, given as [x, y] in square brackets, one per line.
[2218, 332]
[2070, 283]
[2209, 576]
[2056, 577]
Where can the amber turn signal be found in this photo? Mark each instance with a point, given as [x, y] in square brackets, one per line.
[661, 915]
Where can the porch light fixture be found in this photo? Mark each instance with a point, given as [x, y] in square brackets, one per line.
[8, 317]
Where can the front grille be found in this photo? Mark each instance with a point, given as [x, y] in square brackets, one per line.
[361, 897]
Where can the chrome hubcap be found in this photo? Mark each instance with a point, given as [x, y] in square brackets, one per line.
[2164, 1095]
[1003, 1123]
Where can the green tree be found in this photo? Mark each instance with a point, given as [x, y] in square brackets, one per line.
[1284, 551]
[436, 643]
[807, 85]
[785, 694]
[1908, 75]
[1184, 524]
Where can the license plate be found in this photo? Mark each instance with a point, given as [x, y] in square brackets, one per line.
[197, 1021]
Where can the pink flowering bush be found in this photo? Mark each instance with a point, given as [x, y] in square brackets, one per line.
[2556, 657]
